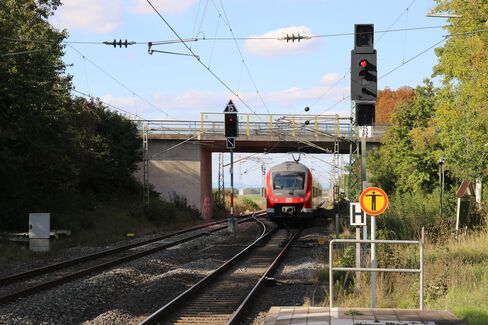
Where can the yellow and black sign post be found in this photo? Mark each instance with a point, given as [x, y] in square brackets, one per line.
[373, 201]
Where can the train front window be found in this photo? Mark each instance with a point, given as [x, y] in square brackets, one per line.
[288, 181]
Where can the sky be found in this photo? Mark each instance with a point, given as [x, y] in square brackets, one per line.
[269, 75]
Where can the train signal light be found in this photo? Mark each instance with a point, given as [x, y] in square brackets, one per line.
[231, 121]
[231, 125]
[364, 38]
[364, 86]
[365, 113]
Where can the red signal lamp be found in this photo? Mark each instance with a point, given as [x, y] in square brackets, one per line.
[363, 63]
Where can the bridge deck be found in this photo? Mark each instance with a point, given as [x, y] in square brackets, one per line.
[272, 133]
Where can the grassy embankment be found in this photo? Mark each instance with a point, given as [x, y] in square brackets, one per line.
[456, 271]
[105, 223]
[242, 204]
[456, 279]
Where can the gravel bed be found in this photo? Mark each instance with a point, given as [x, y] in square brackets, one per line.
[297, 277]
[132, 291]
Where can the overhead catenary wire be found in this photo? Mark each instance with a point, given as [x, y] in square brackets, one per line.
[118, 81]
[108, 104]
[203, 64]
[227, 22]
[396, 20]
[199, 39]
[383, 33]
[445, 37]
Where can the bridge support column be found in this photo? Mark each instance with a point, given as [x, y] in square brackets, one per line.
[206, 200]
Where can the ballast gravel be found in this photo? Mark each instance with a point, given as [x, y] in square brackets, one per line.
[129, 293]
[297, 278]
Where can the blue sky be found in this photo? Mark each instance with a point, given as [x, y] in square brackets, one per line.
[288, 76]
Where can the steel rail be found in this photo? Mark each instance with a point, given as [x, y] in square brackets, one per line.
[239, 313]
[78, 274]
[159, 315]
[57, 266]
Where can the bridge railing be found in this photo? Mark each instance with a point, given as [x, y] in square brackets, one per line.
[262, 124]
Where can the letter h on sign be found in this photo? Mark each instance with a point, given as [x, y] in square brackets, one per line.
[357, 217]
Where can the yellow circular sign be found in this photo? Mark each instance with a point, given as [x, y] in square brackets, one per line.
[373, 201]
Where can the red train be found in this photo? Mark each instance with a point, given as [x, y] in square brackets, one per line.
[292, 192]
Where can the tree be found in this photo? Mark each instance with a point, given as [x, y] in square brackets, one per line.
[55, 148]
[387, 102]
[462, 107]
[33, 94]
[406, 161]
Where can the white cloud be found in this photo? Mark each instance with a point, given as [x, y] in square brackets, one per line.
[170, 7]
[331, 78]
[281, 47]
[188, 105]
[99, 16]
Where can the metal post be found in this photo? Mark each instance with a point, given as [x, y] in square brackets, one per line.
[337, 224]
[373, 224]
[441, 183]
[422, 269]
[363, 178]
[241, 189]
[145, 148]
[331, 284]
[221, 191]
[373, 262]
[263, 182]
[358, 257]
[232, 219]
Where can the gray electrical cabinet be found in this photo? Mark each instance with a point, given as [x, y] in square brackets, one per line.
[39, 225]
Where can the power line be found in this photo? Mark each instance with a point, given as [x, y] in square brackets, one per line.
[120, 82]
[395, 21]
[431, 47]
[108, 104]
[203, 64]
[196, 39]
[392, 70]
[412, 58]
[240, 54]
[383, 32]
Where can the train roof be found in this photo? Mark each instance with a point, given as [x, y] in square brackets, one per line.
[289, 166]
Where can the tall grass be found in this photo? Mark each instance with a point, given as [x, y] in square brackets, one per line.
[103, 223]
[456, 279]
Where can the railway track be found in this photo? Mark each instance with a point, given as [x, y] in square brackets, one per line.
[55, 274]
[224, 296]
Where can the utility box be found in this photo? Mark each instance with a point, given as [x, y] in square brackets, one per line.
[39, 225]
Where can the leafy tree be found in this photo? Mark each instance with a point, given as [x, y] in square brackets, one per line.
[462, 106]
[55, 149]
[406, 162]
[33, 97]
[388, 100]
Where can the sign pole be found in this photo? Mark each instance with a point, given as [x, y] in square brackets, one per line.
[358, 257]
[232, 221]
[373, 224]
[373, 262]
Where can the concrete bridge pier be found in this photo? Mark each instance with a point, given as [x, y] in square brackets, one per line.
[184, 171]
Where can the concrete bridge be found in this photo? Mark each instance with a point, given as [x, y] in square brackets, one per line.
[179, 153]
